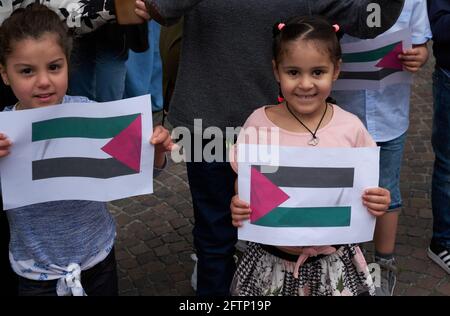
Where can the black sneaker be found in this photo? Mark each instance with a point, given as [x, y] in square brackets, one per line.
[440, 255]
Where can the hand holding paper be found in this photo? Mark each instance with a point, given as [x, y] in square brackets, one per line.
[126, 14]
[377, 200]
[141, 10]
[414, 58]
[240, 211]
[5, 144]
[163, 143]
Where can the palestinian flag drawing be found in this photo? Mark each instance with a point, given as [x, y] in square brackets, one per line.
[373, 63]
[118, 140]
[78, 151]
[276, 197]
[311, 196]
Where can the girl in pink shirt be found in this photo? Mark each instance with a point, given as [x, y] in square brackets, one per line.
[307, 58]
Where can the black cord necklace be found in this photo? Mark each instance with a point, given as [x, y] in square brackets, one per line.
[314, 140]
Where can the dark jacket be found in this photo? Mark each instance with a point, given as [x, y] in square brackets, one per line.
[439, 14]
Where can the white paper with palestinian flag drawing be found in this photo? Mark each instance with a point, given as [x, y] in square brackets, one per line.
[306, 196]
[78, 151]
[373, 63]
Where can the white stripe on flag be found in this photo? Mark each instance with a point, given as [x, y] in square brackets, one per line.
[69, 147]
[317, 197]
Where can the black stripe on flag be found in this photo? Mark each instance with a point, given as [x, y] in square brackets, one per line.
[79, 167]
[307, 177]
[367, 75]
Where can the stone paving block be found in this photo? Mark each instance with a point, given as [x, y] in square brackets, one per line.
[171, 237]
[416, 291]
[184, 288]
[127, 263]
[142, 282]
[179, 246]
[427, 282]
[154, 266]
[139, 249]
[146, 258]
[156, 277]
[178, 223]
[144, 234]
[163, 229]
[444, 288]
[154, 243]
[148, 291]
[174, 268]
[123, 219]
[420, 253]
[150, 200]
[162, 251]
[169, 259]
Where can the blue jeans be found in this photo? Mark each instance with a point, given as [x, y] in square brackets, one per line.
[440, 189]
[98, 65]
[144, 70]
[212, 187]
[391, 154]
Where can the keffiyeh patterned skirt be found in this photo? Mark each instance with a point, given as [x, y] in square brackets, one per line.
[343, 273]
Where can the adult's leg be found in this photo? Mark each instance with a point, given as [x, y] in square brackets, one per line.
[156, 79]
[82, 67]
[110, 70]
[440, 194]
[212, 187]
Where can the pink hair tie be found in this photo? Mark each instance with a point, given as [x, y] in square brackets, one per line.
[281, 26]
[336, 27]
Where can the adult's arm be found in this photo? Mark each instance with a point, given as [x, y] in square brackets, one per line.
[439, 15]
[353, 15]
[167, 12]
[83, 16]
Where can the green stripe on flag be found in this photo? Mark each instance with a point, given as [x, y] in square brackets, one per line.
[367, 56]
[85, 127]
[307, 217]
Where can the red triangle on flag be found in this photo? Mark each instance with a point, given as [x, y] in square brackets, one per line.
[126, 146]
[264, 195]
[391, 59]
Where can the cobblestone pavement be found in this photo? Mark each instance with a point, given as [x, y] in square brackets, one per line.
[154, 232]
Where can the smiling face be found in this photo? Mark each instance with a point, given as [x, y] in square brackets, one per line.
[37, 71]
[306, 74]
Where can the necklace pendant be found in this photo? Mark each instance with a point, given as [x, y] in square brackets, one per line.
[313, 141]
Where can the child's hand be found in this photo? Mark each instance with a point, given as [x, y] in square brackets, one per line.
[377, 200]
[163, 143]
[161, 139]
[141, 10]
[5, 144]
[413, 59]
[240, 211]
